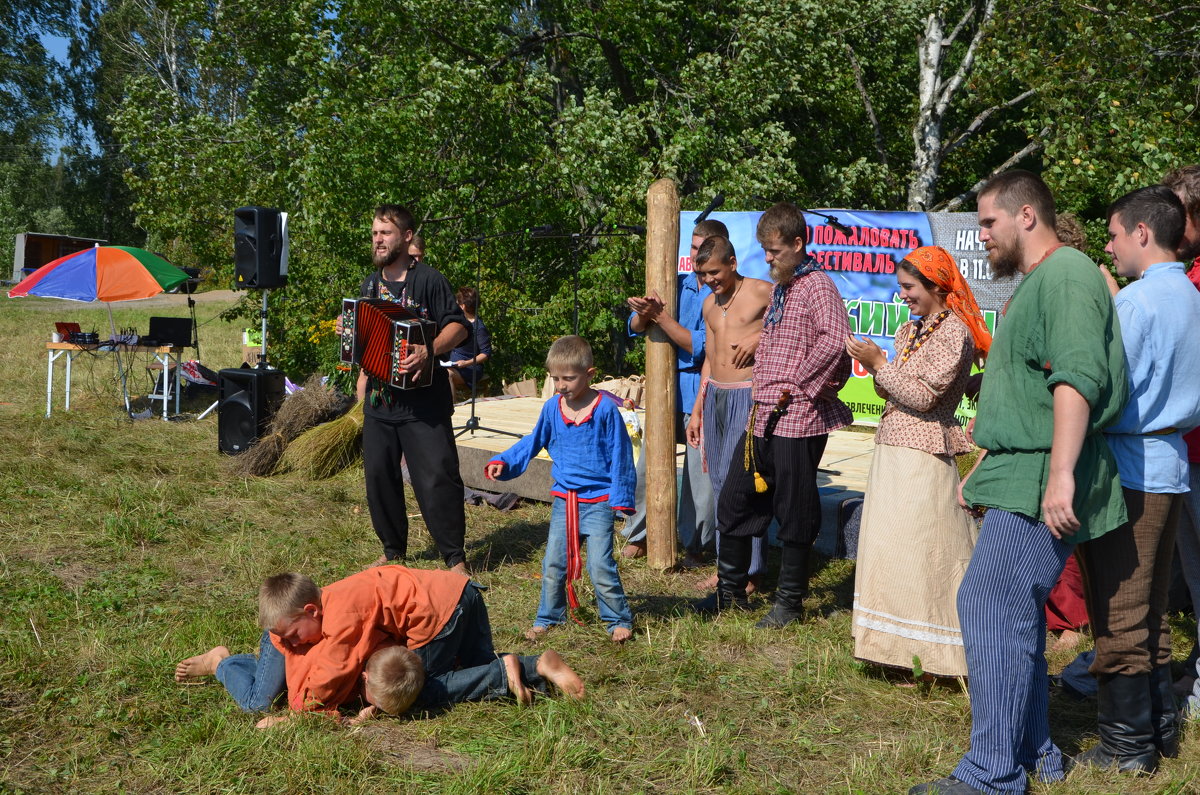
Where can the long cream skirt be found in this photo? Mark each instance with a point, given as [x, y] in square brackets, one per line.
[913, 549]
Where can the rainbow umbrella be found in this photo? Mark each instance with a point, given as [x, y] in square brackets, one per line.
[103, 273]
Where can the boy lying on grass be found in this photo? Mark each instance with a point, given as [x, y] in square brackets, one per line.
[317, 643]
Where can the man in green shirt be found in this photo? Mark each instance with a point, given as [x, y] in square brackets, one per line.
[1055, 378]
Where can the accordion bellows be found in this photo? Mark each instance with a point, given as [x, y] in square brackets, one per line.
[377, 335]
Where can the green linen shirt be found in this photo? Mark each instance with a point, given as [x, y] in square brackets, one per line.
[1060, 327]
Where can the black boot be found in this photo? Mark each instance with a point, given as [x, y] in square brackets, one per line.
[791, 590]
[1164, 712]
[1126, 730]
[733, 567]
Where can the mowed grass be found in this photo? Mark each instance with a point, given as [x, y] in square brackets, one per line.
[126, 546]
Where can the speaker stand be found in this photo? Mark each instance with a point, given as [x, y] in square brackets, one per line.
[472, 423]
[262, 314]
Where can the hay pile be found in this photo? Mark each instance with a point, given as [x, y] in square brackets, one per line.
[327, 449]
[316, 403]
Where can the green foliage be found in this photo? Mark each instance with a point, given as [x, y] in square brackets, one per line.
[490, 117]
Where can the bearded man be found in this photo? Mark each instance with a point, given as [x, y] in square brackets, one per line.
[413, 423]
[1055, 377]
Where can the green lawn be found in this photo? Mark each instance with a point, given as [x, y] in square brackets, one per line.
[127, 545]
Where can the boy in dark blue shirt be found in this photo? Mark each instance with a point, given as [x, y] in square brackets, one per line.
[593, 476]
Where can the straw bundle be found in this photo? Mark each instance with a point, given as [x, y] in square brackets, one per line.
[327, 449]
[313, 404]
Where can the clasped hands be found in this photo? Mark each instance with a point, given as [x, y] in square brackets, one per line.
[649, 307]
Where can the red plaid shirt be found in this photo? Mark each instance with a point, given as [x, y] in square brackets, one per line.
[804, 353]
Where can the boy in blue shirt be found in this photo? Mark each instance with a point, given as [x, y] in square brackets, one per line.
[593, 477]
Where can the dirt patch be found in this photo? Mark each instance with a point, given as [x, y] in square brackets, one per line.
[389, 741]
[74, 575]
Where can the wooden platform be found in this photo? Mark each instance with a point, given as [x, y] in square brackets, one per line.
[843, 467]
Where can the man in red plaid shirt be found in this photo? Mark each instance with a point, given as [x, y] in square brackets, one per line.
[800, 365]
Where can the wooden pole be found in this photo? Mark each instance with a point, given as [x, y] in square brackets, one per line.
[662, 248]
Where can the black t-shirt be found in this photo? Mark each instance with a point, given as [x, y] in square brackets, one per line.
[427, 293]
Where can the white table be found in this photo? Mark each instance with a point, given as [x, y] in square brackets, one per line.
[67, 351]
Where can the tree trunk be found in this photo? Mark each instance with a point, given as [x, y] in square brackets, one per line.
[927, 131]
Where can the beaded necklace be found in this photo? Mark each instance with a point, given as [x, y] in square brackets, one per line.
[917, 337]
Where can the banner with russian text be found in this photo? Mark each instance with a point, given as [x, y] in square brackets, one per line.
[862, 263]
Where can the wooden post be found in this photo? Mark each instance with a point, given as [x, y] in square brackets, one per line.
[662, 249]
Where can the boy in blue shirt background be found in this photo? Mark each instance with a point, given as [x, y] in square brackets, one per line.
[593, 477]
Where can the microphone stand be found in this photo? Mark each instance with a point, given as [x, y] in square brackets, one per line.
[472, 423]
[576, 239]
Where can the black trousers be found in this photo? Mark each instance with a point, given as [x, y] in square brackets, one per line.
[789, 466]
[432, 458]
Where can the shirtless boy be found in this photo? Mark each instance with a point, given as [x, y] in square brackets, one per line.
[733, 324]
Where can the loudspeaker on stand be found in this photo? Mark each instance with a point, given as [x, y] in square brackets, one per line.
[259, 247]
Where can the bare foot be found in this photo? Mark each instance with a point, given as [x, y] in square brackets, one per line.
[275, 720]
[200, 665]
[635, 550]
[707, 585]
[553, 669]
[512, 667]
[379, 561]
[460, 568]
[753, 584]
[535, 634]
[620, 634]
[1069, 639]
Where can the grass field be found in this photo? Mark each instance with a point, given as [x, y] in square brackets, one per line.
[127, 545]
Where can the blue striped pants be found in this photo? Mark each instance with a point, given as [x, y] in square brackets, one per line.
[1002, 610]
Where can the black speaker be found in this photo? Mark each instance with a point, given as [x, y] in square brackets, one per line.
[259, 248]
[247, 399]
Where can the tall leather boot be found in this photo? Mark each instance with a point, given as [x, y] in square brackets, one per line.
[733, 567]
[1126, 730]
[791, 590]
[1164, 712]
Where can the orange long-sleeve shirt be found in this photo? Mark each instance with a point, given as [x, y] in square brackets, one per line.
[409, 606]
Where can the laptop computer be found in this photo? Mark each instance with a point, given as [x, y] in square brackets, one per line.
[173, 331]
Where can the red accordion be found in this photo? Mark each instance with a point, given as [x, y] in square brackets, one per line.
[377, 336]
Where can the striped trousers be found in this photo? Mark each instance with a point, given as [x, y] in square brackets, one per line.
[1002, 611]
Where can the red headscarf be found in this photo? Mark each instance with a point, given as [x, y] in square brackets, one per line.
[936, 264]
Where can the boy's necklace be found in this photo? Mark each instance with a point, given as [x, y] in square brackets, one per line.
[725, 306]
[573, 413]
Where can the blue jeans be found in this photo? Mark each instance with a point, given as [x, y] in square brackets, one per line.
[462, 665]
[254, 681]
[596, 526]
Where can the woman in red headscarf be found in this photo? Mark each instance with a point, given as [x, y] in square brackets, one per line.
[915, 541]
